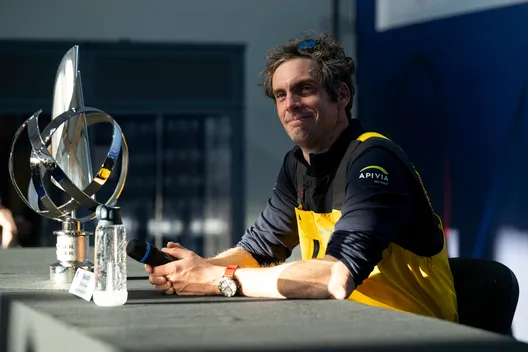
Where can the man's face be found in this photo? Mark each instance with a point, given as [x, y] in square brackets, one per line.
[306, 111]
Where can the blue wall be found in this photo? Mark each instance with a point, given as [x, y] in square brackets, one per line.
[452, 93]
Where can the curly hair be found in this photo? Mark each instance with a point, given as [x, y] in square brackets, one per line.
[333, 66]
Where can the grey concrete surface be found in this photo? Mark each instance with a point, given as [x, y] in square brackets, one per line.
[39, 316]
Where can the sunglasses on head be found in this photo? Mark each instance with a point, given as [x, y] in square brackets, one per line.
[308, 44]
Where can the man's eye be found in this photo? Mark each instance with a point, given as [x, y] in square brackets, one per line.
[279, 95]
[307, 88]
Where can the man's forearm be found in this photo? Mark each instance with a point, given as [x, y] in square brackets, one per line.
[235, 256]
[318, 279]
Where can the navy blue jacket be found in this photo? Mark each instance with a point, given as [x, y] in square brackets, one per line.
[373, 214]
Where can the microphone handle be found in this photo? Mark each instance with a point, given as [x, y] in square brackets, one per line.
[155, 257]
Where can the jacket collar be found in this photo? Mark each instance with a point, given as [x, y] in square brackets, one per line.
[329, 161]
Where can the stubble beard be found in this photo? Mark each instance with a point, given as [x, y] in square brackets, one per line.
[301, 137]
[308, 141]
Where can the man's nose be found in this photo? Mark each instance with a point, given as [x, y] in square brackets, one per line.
[292, 101]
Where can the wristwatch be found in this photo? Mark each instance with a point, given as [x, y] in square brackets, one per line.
[228, 285]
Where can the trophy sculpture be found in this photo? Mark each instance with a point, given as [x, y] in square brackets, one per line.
[60, 164]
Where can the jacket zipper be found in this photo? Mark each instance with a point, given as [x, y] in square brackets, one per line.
[301, 196]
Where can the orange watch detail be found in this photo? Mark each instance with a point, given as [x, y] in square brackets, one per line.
[228, 285]
[230, 271]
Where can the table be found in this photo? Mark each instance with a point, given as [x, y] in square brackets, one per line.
[37, 315]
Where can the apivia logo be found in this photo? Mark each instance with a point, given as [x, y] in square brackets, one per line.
[375, 173]
[325, 231]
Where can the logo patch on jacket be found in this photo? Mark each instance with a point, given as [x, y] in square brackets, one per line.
[375, 173]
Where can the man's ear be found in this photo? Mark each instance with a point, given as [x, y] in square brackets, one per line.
[344, 95]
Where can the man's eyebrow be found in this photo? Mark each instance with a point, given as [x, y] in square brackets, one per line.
[304, 80]
[275, 91]
[298, 83]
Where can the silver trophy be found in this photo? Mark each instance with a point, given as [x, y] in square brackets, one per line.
[61, 167]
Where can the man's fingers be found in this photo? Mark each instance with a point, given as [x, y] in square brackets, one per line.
[157, 280]
[178, 252]
[165, 287]
[148, 268]
[163, 270]
[161, 283]
[170, 271]
[174, 245]
[170, 291]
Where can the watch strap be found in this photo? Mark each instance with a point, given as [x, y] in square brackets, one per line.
[230, 271]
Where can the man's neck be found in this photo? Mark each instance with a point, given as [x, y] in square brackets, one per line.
[326, 141]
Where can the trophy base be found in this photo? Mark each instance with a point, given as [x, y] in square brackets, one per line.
[61, 274]
[72, 248]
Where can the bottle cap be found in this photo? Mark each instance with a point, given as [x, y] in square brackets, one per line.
[109, 214]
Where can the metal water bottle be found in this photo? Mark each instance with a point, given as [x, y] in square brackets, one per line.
[110, 258]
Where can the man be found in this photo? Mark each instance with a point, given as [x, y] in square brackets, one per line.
[350, 199]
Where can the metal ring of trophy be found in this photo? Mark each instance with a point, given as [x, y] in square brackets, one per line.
[81, 198]
[44, 166]
[40, 147]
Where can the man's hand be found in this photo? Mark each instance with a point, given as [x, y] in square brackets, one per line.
[9, 228]
[190, 275]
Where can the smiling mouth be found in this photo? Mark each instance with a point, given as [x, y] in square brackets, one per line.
[298, 118]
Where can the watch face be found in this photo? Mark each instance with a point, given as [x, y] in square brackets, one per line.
[227, 286]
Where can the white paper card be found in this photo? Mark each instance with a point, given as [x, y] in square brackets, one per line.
[83, 284]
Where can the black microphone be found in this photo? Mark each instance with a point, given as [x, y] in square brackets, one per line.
[146, 253]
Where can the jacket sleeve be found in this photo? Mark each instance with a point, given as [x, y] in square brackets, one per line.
[378, 207]
[274, 235]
